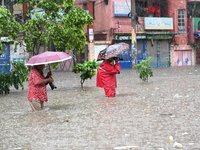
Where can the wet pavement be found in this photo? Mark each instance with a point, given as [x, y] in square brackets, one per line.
[150, 116]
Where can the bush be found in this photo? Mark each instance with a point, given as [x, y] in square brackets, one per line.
[144, 69]
[16, 77]
[87, 70]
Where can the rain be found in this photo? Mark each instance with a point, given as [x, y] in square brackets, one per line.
[160, 115]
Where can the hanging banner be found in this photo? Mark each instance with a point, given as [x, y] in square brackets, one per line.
[133, 35]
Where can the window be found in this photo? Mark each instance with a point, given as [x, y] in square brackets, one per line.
[181, 21]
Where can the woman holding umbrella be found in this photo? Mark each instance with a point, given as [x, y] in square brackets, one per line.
[106, 76]
[37, 90]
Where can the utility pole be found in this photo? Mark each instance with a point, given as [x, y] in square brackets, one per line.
[133, 33]
[90, 39]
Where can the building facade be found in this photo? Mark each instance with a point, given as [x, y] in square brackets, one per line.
[193, 21]
[161, 30]
[166, 30]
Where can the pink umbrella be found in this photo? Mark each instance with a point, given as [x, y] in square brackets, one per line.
[47, 58]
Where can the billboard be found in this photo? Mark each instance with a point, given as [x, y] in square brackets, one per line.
[196, 22]
[158, 23]
[122, 8]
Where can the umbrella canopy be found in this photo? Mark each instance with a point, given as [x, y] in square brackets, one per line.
[113, 51]
[47, 58]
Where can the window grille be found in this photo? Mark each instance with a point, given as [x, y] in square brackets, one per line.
[181, 21]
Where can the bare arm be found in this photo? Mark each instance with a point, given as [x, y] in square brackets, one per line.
[45, 81]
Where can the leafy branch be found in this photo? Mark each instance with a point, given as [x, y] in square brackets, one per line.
[16, 77]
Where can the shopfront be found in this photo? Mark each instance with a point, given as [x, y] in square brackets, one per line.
[5, 58]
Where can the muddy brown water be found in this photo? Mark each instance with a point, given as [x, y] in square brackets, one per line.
[142, 114]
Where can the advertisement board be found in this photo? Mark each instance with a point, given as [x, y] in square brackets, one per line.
[158, 23]
[196, 22]
[122, 8]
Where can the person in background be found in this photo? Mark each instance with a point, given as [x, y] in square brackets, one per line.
[153, 11]
[37, 90]
[106, 76]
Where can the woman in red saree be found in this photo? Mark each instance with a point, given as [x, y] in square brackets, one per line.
[106, 76]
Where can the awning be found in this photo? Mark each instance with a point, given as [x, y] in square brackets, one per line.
[161, 35]
[156, 33]
[197, 34]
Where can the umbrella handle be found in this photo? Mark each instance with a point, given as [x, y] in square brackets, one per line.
[49, 67]
[51, 84]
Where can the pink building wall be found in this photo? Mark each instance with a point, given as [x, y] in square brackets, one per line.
[193, 0]
[173, 7]
[105, 21]
[190, 30]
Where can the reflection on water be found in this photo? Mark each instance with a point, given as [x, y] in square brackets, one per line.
[141, 114]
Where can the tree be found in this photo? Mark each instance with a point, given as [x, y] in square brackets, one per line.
[9, 27]
[62, 23]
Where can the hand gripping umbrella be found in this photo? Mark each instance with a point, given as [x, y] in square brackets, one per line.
[48, 58]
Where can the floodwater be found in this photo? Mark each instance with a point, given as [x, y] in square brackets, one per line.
[148, 116]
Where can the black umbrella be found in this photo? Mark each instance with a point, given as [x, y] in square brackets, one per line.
[114, 50]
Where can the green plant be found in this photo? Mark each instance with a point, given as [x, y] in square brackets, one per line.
[168, 61]
[144, 69]
[87, 70]
[176, 44]
[16, 77]
[193, 45]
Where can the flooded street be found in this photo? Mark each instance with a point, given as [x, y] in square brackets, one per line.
[150, 116]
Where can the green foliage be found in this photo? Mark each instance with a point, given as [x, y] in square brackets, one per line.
[87, 70]
[176, 44]
[168, 61]
[65, 30]
[54, 66]
[16, 77]
[144, 69]
[9, 27]
[193, 45]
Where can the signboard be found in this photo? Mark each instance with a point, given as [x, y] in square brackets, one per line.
[5, 39]
[41, 12]
[158, 23]
[18, 59]
[91, 35]
[196, 22]
[141, 37]
[124, 38]
[161, 37]
[5, 59]
[122, 8]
